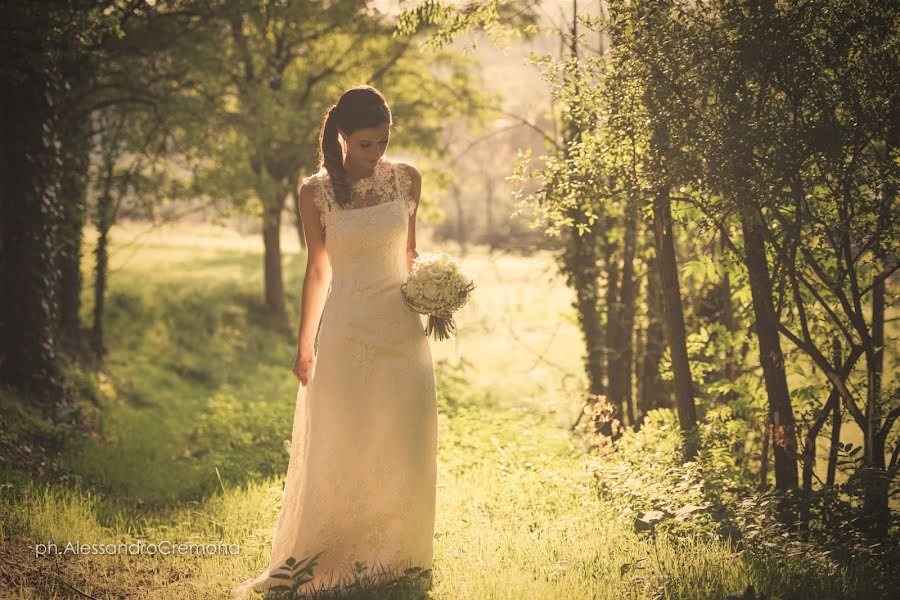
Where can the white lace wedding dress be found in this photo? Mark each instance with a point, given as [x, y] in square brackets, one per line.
[361, 479]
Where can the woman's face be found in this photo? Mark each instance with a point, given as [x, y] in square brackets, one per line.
[365, 146]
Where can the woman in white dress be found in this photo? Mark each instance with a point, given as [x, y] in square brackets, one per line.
[361, 479]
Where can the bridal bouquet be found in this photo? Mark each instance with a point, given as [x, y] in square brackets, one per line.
[434, 286]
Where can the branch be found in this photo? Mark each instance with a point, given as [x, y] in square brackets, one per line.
[892, 468]
[879, 278]
[889, 422]
[833, 376]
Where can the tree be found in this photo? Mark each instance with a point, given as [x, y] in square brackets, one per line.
[267, 73]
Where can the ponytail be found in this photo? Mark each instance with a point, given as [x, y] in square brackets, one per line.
[332, 156]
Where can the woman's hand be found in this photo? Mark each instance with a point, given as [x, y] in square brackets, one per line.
[304, 366]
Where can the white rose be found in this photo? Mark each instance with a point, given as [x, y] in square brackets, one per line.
[430, 289]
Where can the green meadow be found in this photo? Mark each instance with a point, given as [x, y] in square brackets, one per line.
[188, 418]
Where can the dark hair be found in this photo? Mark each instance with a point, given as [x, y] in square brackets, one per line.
[359, 107]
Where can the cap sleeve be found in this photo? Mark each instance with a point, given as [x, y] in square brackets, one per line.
[404, 184]
[319, 195]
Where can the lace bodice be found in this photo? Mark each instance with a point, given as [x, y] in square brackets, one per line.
[366, 246]
[389, 182]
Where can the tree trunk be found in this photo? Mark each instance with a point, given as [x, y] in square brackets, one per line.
[639, 355]
[673, 312]
[101, 265]
[578, 261]
[29, 217]
[732, 361]
[835, 441]
[764, 454]
[654, 391]
[837, 357]
[613, 348]
[770, 355]
[579, 264]
[76, 158]
[877, 484]
[620, 322]
[627, 305]
[274, 282]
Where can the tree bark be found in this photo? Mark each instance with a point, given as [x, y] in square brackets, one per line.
[835, 421]
[877, 484]
[613, 323]
[30, 213]
[620, 322]
[673, 311]
[578, 262]
[771, 357]
[654, 391]
[76, 159]
[101, 256]
[274, 281]
[627, 301]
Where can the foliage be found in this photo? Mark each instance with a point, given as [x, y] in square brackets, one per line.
[643, 477]
[833, 541]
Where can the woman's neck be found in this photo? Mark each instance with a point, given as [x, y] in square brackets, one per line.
[355, 172]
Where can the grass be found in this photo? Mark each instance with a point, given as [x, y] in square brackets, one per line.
[191, 411]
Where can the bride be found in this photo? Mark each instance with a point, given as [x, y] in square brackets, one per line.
[361, 480]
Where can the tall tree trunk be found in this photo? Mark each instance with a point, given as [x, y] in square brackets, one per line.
[654, 391]
[274, 281]
[673, 312]
[30, 213]
[877, 484]
[76, 158]
[620, 322]
[835, 441]
[578, 262]
[627, 304]
[639, 355]
[101, 259]
[732, 360]
[770, 355]
[764, 453]
[613, 322]
[579, 257]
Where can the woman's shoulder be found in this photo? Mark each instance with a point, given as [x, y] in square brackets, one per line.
[406, 171]
[315, 178]
[313, 188]
[405, 168]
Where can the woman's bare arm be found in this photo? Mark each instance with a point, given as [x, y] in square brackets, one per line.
[411, 252]
[318, 274]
